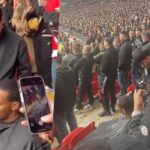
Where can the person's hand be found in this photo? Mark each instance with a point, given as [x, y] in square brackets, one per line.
[46, 119]
[138, 100]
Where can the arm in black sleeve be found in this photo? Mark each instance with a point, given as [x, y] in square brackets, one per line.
[79, 64]
[123, 55]
[105, 64]
[97, 58]
[23, 63]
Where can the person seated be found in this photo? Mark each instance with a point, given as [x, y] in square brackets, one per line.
[14, 136]
[114, 127]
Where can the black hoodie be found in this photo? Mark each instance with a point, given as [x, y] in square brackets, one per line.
[65, 90]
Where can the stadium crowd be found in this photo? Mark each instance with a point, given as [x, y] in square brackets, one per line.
[117, 51]
[26, 49]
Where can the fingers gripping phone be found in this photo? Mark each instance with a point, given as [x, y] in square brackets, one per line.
[35, 101]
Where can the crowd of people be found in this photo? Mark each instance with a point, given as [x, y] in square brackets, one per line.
[26, 49]
[103, 17]
[117, 50]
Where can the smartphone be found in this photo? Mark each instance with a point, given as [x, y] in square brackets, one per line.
[34, 98]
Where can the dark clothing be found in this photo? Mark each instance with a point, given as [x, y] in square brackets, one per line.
[14, 136]
[65, 97]
[125, 55]
[83, 67]
[60, 119]
[74, 60]
[109, 75]
[13, 56]
[109, 63]
[108, 91]
[7, 14]
[67, 59]
[65, 91]
[43, 50]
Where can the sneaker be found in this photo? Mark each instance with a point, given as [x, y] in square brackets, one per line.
[113, 110]
[76, 110]
[105, 113]
[88, 107]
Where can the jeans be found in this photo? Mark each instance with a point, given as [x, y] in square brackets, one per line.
[53, 72]
[60, 120]
[123, 81]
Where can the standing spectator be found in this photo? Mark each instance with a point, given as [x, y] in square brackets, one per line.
[109, 76]
[7, 12]
[84, 69]
[13, 53]
[124, 66]
[65, 97]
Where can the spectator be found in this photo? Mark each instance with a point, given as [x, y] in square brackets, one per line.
[7, 11]
[124, 66]
[65, 97]
[11, 129]
[84, 69]
[109, 76]
[14, 54]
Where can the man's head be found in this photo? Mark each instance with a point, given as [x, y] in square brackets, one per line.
[116, 41]
[125, 104]
[76, 48]
[108, 42]
[9, 100]
[43, 2]
[3, 2]
[123, 36]
[138, 32]
[145, 36]
[86, 50]
[132, 34]
[142, 57]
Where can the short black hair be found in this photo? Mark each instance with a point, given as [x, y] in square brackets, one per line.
[141, 53]
[126, 102]
[10, 86]
[125, 33]
[1, 14]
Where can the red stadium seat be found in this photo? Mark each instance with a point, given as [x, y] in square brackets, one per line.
[76, 136]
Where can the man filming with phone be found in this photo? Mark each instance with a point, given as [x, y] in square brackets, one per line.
[14, 136]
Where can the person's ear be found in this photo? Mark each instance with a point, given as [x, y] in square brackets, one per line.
[123, 111]
[15, 106]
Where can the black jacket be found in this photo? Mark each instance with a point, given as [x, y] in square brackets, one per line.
[109, 63]
[13, 56]
[84, 67]
[125, 55]
[65, 90]
[74, 60]
[7, 13]
[14, 136]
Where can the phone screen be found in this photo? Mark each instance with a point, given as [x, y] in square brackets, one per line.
[36, 103]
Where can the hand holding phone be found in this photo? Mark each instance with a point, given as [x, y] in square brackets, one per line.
[36, 104]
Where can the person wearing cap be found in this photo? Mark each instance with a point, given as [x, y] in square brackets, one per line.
[109, 76]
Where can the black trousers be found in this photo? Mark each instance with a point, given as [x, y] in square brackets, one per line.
[60, 120]
[108, 90]
[83, 89]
